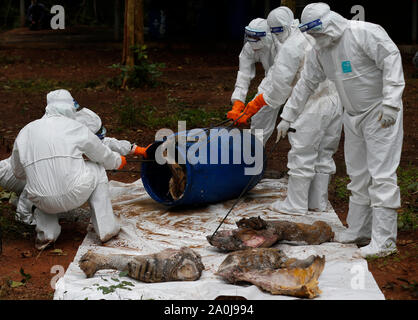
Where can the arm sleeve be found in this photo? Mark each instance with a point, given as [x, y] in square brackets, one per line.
[16, 164]
[282, 74]
[96, 151]
[245, 74]
[379, 47]
[122, 147]
[312, 75]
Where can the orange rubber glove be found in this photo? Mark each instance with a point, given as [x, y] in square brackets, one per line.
[237, 108]
[123, 162]
[252, 108]
[140, 151]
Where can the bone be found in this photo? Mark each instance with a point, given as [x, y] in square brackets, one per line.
[272, 271]
[259, 233]
[168, 265]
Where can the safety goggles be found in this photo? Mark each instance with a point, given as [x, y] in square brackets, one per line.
[76, 105]
[254, 35]
[277, 29]
[101, 133]
[312, 26]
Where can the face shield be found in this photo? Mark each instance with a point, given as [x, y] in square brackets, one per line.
[101, 133]
[315, 29]
[280, 33]
[311, 27]
[76, 105]
[280, 21]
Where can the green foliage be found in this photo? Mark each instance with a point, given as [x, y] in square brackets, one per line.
[132, 115]
[36, 85]
[408, 184]
[26, 278]
[339, 185]
[10, 227]
[121, 284]
[113, 287]
[128, 113]
[410, 286]
[250, 96]
[143, 73]
[9, 59]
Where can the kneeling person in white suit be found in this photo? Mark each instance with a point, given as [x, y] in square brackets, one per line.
[48, 153]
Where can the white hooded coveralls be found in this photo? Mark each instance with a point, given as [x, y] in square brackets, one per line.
[366, 67]
[266, 118]
[9, 182]
[48, 153]
[318, 129]
[92, 121]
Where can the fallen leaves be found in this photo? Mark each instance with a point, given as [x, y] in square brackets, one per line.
[57, 252]
[404, 242]
[26, 254]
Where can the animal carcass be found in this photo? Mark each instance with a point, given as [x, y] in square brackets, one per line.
[167, 265]
[271, 270]
[256, 232]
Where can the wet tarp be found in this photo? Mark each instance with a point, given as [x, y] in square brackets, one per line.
[149, 227]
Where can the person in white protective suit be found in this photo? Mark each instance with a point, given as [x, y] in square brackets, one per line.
[366, 67]
[8, 181]
[92, 121]
[48, 153]
[318, 130]
[260, 47]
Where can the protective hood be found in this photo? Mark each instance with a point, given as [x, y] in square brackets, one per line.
[282, 23]
[256, 33]
[60, 102]
[333, 24]
[89, 118]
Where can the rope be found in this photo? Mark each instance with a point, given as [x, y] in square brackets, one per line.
[246, 187]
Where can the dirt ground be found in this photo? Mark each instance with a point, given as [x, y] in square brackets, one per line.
[195, 76]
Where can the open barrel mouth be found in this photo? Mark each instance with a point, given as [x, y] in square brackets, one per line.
[166, 182]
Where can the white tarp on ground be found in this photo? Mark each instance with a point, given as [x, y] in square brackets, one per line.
[148, 227]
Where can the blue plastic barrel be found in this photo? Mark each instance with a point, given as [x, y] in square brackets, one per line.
[207, 182]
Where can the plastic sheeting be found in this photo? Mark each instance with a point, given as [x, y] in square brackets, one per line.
[148, 227]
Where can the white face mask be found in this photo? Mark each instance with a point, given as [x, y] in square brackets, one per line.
[281, 36]
[257, 45]
[322, 40]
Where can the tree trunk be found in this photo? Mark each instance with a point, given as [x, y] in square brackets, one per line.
[133, 32]
[139, 22]
[414, 21]
[22, 13]
[291, 4]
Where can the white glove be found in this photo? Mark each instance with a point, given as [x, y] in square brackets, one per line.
[387, 116]
[282, 129]
[133, 148]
